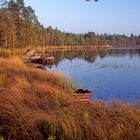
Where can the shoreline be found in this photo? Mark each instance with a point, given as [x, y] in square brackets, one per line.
[55, 48]
[42, 49]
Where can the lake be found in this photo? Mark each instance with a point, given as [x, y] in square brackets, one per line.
[112, 74]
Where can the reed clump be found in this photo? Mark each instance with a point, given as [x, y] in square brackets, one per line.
[36, 105]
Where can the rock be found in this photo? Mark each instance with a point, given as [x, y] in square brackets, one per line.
[49, 66]
[37, 61]
[42, 61]
[82, 91]
[29, 53]
[35, 57]
[82, 95]
[36, 54]
[41, 67]
[51, 58]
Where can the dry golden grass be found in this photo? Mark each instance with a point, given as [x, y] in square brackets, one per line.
[55, 48]
[37, 105]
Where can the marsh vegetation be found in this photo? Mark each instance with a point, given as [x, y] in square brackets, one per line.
[37, 104]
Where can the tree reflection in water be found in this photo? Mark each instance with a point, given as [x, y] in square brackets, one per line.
[89, 55]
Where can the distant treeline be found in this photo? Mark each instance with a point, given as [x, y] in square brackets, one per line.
[19, 27]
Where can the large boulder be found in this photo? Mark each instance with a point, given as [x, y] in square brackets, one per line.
[44, 61]
[37, 61]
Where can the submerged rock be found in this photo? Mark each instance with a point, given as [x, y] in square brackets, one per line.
[82, 95]
[82, 91]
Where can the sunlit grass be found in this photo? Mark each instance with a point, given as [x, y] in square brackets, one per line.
[37, 104]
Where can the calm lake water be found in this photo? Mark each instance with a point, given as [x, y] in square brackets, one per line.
[110, 74]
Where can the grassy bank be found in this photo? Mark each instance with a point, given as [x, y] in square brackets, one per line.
[37, 104]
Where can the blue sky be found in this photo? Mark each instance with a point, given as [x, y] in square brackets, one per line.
[79, 16]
